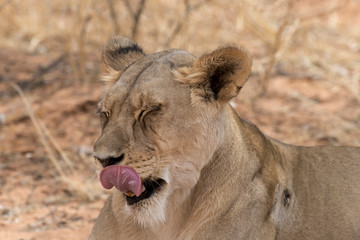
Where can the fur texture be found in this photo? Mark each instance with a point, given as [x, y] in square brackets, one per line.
[167, 116]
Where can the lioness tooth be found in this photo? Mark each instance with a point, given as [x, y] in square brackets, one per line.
[129, 194]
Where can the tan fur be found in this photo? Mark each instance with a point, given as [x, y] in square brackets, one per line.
[168, 115]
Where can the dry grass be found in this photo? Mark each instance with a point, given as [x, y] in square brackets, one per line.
[44, 136]
[302, 39]
[84, 189]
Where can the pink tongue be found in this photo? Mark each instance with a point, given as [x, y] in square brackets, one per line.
[123, 178]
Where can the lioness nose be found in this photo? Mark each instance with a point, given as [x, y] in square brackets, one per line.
[108, 161]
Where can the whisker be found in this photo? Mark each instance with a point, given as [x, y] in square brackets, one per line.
[156, 181]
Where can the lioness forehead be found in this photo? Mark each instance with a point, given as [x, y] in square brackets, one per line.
[151, 73]
[154, 66]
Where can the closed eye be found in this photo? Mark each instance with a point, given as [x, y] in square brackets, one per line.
[104, 117]
[146, 110]
[142, 113]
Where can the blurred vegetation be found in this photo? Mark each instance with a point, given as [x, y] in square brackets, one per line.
[304, 39]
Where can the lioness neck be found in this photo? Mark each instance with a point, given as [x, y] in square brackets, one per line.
[243, 167]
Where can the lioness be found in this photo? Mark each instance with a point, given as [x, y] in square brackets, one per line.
[187, 167]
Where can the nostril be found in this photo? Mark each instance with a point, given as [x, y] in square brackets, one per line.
[110, 161]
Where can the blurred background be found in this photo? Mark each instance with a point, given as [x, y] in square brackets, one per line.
[304, 89]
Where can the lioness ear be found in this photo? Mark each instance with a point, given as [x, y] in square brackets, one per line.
[118, 53]
[218, 75]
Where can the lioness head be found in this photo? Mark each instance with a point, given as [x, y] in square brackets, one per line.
[162, 120]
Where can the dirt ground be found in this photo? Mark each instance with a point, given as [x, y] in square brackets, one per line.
[36, 202]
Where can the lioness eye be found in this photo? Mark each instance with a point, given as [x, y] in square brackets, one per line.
[104, 116]
[142, 113]
[146, 110]
[155, 108]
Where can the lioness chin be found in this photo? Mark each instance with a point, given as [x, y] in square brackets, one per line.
[185, 166]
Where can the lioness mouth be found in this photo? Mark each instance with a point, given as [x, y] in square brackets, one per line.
[126, 180]
[151, 186]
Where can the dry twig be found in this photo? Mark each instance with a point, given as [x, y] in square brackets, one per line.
[56, 145]
[43, 70]
[39, 131]
[136, 16]
[81, 44]
[113, 16]
[279, 43]
[44, 132]
[179, 25]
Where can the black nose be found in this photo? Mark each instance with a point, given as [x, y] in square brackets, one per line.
[110, 160]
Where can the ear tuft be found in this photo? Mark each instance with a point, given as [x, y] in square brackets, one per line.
[218, 75]
[118, 53]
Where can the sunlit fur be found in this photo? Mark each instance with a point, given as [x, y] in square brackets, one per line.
[168, 115]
